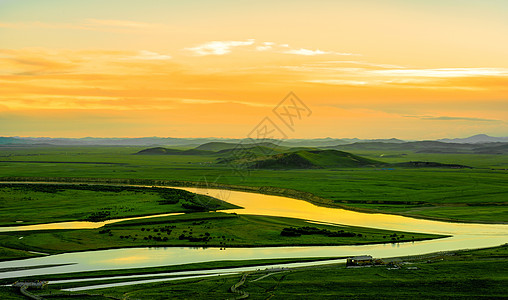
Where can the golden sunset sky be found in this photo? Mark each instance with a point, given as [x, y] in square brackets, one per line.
[366, 69]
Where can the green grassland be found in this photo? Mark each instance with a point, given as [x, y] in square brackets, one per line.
[476, 274]
[201, 230]
[23, 204]
[448, 194]
[9, 253]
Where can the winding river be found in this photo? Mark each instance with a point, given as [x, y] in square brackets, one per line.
[462, 236]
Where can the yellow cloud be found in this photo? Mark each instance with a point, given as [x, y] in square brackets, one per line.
[218, 47]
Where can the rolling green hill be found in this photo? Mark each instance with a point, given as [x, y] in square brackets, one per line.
[324, 159]
[313, 159]
[427, 147]
[252, 150]
[215, 146]
[222, 146]
[166, 151]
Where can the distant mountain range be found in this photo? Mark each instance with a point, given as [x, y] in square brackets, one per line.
[195, 142]
[428, 147]
[479, 138]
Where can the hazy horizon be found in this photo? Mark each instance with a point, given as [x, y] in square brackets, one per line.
[244, 137]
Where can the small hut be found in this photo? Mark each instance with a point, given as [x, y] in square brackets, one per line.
[362, 260]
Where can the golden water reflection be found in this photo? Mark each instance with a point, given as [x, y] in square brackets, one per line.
[259, 204]
[77, 224]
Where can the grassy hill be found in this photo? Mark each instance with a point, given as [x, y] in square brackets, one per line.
[166, 151]
[312, 159]
[254, 150]
[325, 159]
[215, 146]
[222, 146]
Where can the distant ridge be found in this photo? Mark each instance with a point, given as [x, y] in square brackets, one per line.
[428, 147]
[216, 144]
[479, 138]
[223, 146]
[166, 151]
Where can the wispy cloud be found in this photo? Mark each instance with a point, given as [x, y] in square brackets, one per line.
[308, 52]
[333, 63]
[448, 118]
[218, 47]
[339, 82]
[149, 55]
[214, 101]
[226, 47]
[265, 46]
[444, 72]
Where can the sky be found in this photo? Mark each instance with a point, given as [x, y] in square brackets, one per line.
[367, 69]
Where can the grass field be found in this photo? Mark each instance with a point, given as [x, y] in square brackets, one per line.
[200, 229]
[9, 253]
[433, 193]
[461, 275]
[23, 204]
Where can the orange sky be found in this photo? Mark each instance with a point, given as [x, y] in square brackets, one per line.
[424, 69]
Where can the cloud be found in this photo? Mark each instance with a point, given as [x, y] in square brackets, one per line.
[218, 47]
[444, 72]
[339, 82]
[324, 64]
[448, 118]
[30, 61]
[225, 47]
[309, 52]
[265, 46]
[213, 101]
[149, 55]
